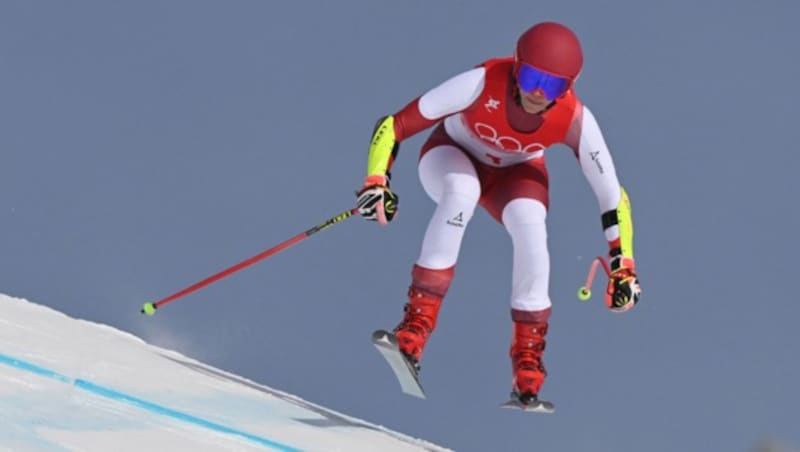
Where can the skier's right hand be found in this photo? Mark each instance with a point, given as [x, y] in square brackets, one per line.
[376, 202]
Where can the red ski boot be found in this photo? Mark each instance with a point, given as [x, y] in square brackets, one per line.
[526, 351]
[418, 323]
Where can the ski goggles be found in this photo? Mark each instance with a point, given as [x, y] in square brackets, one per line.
[531, 79]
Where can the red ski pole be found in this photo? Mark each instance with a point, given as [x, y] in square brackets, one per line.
[150, 308]
[585, 292]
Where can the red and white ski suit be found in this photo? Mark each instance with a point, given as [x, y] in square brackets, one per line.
[487, 150]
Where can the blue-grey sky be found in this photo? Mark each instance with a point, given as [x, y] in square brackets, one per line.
[146, 145]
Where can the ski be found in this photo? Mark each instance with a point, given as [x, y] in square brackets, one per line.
[534, 406]
[403, 369]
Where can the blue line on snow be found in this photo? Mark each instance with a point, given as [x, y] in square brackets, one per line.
[149, 406]
[111, 394]
[13, 362]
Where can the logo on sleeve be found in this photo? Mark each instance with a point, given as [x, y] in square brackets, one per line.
[596, 160]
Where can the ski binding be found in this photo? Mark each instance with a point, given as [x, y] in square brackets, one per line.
[534, 406]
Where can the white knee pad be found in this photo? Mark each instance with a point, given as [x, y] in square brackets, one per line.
[449, 178]
[524, 220]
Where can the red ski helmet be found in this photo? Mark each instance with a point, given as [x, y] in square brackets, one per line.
[550, 47]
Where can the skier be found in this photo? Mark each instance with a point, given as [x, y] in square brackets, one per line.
[493, 124]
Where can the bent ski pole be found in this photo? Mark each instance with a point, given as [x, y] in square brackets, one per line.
[150, 308]
[585, 292]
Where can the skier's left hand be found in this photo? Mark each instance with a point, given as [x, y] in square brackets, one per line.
[623, 289]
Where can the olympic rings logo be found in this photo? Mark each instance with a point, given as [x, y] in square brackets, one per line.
[505, 143]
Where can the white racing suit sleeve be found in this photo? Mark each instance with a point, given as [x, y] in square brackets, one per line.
[598, 167]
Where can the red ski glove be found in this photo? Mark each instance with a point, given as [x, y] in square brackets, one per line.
[623, 289]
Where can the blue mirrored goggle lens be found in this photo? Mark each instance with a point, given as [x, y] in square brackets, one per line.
[529, 79]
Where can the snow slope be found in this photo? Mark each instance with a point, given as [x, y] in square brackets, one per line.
[68, 384]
